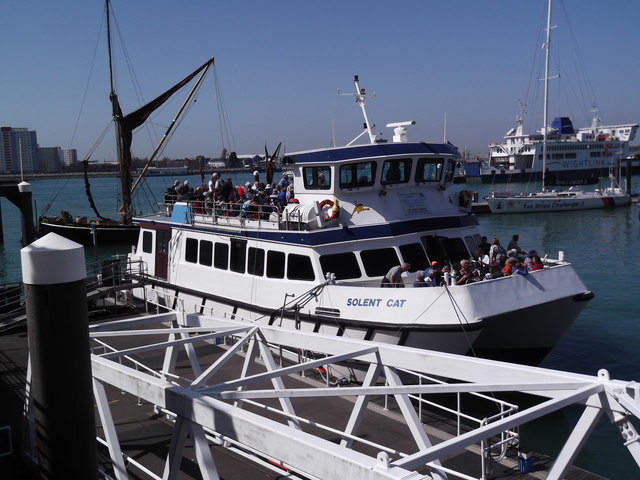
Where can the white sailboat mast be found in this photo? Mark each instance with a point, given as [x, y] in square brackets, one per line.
[545, 127]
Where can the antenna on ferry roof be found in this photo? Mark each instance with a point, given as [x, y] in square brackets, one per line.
[444, 138]
[360, 97]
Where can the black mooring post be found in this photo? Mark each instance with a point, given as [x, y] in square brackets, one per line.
[54, 273]
[1, 227]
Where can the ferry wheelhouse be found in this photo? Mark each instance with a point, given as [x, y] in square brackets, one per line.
[318, 264]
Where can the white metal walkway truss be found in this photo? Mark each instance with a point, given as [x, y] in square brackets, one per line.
[237, 392]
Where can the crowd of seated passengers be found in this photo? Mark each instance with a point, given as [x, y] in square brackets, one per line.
[482, 266]
[255, 201]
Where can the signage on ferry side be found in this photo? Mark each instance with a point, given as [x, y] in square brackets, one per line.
[375, 302]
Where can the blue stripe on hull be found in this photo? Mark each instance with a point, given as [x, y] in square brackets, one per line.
[330, 236]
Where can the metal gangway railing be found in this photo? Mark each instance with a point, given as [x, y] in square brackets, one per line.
[112, 279]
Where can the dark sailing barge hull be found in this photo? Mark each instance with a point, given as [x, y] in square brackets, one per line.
[105, 233]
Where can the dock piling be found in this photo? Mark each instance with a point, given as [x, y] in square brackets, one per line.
[54, 273]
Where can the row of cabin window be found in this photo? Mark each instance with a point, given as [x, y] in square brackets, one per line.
[238, 258]
[377, 262]
[363, 174]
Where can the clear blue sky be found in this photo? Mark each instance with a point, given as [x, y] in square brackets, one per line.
[279, 63]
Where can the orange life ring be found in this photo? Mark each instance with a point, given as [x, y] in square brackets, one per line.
[331, 212]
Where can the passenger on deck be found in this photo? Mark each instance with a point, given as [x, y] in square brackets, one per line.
[284, 181]
[419, 281]
[510, 266]
[209, 203]
[227, 190]
[527, 259]
[321, 180]
[430, 277]
[494, 271]
[485, 245]
[536, 263]
[393, 278]
[466, 273]
[248, 192]
[513, 245]
[253, 209]
[496, 249]
[438, 274]
[235, 207]
[290, 193]
[482, 259]
[514, 266]
[282, 196]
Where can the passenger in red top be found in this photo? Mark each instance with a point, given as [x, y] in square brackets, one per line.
[536, 263]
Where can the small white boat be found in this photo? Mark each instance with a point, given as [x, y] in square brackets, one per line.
[318, 264]
[555, 200]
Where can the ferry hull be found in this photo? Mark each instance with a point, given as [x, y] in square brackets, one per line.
[444, 337]
[503, 337]
[522, 328]
[117, 234]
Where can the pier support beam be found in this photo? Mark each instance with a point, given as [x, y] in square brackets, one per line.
[54, 273]
[20, 195]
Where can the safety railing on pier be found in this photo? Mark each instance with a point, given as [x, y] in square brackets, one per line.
[109, 283]
[247, 387]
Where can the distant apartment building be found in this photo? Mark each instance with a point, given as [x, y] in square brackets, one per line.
[51, 159]
[18, 150]
[70, 156]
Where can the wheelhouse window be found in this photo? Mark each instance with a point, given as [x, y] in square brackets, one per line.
[221, 256]
[413, 253]
[450, 171]
[299, 267]
[396, 171]
[429, 169]
[343, 265]
[473, 242]
[356, 175]
[275, 264]
[316, 178]
[147, 242]
[191, 250]
[445, 250]
[377, 262]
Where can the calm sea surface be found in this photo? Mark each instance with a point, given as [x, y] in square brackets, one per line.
[603, 245]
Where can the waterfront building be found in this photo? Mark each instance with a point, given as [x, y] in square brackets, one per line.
[70, 157]
[50, 158]
[18, 150]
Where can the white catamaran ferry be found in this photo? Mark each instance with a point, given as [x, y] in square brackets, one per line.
[318, 264]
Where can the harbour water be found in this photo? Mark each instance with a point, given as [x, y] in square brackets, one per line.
[603, 245]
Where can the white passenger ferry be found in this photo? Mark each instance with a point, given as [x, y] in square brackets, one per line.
[574, 157]
[318, 264]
